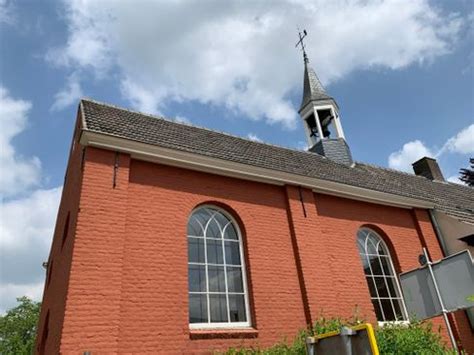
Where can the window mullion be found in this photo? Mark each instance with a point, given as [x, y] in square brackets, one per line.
[386, 285]
[207, 277]
[375, 286]
[225, 278]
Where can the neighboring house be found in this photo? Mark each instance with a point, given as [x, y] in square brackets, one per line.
[177, 239]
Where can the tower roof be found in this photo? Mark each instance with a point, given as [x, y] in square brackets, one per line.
[313, 90]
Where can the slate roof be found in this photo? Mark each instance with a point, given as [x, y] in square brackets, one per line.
[453, 199]
[313, 90]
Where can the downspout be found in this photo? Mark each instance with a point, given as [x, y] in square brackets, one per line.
[438, 233]
[444, 249]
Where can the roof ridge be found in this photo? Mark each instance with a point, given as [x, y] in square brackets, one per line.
[198, 127]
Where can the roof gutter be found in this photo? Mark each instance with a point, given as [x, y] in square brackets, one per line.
[183, 159]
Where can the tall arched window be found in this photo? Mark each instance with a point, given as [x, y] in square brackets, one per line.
[380, 276]
[217, 285]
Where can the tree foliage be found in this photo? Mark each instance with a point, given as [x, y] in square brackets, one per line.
[18, 327]
[467, 174]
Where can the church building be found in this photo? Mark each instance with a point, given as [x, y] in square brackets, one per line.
[176, 239]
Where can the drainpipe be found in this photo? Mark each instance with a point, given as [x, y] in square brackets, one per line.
[438, 233]
[444, 249]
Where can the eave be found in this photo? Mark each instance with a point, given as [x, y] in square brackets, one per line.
[193, 161]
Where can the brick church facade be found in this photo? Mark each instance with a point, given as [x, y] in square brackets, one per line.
[176, 239]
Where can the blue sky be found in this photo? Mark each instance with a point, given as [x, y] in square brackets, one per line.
[401, 71]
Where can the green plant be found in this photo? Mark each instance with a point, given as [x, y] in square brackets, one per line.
[416, 338]
[412, 338]
[18, 327]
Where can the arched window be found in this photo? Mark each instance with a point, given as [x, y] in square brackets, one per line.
[217, 284]
[380, 276]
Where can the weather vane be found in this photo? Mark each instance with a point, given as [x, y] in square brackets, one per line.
[300, 42]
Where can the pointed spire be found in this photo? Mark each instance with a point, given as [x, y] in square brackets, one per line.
[313, 90]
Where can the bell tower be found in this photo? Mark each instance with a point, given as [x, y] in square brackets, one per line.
[320, 114]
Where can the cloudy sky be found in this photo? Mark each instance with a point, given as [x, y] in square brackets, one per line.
[401, 71]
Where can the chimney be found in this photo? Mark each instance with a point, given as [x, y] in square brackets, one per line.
[429, 168]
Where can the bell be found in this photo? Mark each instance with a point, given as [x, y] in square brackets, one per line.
[326, 121]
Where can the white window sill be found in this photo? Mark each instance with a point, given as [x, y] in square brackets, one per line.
[395, 322]
[227, 332]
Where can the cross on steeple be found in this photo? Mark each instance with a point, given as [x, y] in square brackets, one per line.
[300, 42]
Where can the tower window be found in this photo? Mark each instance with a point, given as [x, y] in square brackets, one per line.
[216, 272]
[326, 119]
[380, 276]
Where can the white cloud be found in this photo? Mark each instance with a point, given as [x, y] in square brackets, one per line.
[242, 55]
[26, 226]
[28, 221]
[6, 12]
[455, 179]
[26, 216]
[463, 142]
[254, 137]
[17, 173]
[68, 95]
[410, 152]
[10, 292]
[182, 119]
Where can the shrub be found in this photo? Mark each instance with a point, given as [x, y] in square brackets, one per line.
[415, 338]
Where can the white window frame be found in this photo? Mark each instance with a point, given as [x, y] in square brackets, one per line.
[220, 325]
[398, 289]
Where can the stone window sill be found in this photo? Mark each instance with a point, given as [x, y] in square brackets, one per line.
[239, 333]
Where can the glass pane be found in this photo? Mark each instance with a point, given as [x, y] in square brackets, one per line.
[197, 309]
[214, 252]
[398, 311]
[216, 279]
[221, 220]
[197, 278]
[365, 264]
[391, 286]
[388, 310]
[375, 265]
[237, 308]
[218, 306]
[381, 249]
[387, 269]
[378, 312]
[213, 230]
[202, 215]
[230, 232]
[232, 253]
[381, 287]
[361, 242]
[194, 228]
[234, 279]
[371, 245]
[370, 283]
[196, 250]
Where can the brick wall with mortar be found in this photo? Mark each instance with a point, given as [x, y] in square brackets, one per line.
[59, 261]
[128, 285]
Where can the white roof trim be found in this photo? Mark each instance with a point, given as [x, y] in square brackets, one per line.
[193, 161]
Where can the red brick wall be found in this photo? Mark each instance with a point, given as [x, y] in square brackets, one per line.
[59, 262]
[128, 284]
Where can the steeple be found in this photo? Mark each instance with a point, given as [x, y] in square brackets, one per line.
[320, 114]
[313, 90]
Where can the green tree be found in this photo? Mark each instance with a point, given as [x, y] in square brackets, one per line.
[467, 175]
[18, 327]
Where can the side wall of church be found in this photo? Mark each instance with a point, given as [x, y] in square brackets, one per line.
[128, 289]
[59, 261]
